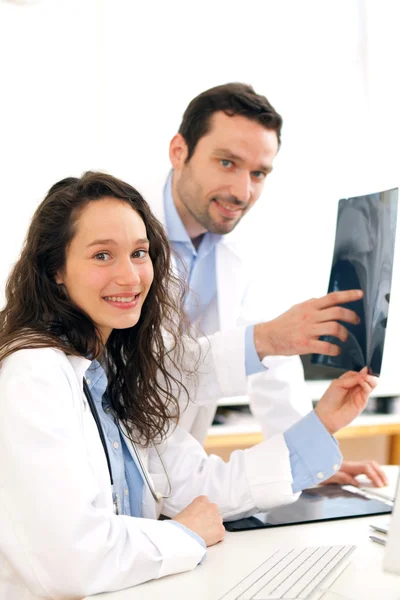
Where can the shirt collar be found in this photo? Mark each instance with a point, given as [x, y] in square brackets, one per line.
[96, 374]
[175, 227]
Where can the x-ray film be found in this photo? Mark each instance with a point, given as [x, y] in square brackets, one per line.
[363, 259]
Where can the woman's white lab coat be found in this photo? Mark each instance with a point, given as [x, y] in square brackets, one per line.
[59, 536]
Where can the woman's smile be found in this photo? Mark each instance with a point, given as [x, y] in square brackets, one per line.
[123, 301]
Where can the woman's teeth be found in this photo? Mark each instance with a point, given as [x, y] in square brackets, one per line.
[118, 299]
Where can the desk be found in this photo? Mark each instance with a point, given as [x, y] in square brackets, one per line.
[241, 552]
[225, 440]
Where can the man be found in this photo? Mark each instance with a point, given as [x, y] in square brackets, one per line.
[221, 157]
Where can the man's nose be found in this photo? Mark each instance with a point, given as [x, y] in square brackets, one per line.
[241, 187]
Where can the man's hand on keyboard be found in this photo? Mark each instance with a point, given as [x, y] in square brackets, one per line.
[349, 470]
[345, 399]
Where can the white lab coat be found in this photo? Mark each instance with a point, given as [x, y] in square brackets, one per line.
[278, 397]
[59, 536]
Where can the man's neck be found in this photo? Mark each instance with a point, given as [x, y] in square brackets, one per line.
[197, 241]
[193, 228]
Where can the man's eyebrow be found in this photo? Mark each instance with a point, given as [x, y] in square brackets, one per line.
[227, 154]
[110, 242]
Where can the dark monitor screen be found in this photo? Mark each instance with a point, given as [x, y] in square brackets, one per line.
[363, 259]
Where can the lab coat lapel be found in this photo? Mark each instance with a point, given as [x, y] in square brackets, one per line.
[230, 282]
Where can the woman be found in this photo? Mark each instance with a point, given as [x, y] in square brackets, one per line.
[84, 476]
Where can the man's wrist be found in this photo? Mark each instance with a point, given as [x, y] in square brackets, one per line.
[261, 340]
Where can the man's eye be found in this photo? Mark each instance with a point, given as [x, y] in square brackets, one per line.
[102, 256]
[226, 163]
[140, 253]
[259, 174]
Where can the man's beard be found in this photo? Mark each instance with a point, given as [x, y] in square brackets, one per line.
[189, 191]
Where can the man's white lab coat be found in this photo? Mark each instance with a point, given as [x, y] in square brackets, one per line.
[278, 397]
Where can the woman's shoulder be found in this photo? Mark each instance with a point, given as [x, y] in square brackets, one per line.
[33, 358]
[47, 361]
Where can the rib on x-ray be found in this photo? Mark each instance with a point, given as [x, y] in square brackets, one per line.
[363, 259]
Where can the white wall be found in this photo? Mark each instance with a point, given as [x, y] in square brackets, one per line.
[103, 84]
[48, 107]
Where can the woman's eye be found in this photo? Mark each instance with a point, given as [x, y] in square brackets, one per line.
[226, 163]
[140, 253]
[102, 256]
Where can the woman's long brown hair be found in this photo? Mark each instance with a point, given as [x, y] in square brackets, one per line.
[143, 392]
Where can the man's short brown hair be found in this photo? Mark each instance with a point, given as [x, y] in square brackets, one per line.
[232, 99]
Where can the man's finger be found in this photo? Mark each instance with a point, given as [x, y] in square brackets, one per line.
[333, 328]
[335, 298]
[321, 347]
[338, 313]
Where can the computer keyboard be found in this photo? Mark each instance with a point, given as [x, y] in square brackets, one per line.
[290, 574]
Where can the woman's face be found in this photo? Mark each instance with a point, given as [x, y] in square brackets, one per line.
[108, 270]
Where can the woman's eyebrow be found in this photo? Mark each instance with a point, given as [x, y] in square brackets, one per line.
[99, 242]
[111, 242]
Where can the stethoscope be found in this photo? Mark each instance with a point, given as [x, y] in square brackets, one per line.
[156, 495]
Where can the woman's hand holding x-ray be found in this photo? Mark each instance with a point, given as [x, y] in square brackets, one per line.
[345, 399]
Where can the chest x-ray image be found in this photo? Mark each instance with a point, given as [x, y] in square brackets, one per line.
[363, 259]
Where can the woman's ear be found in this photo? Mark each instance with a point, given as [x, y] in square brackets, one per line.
[178, 151]
[59, 279]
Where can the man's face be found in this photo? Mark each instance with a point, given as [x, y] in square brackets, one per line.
[225, 176]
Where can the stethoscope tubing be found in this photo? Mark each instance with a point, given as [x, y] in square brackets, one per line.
[156, 495]
[96, 417]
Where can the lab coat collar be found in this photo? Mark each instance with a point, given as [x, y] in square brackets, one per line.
[80, 366]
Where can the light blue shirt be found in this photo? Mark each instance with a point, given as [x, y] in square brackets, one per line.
[308, 466]
[198, 268]
[314, 453]
[128, 480]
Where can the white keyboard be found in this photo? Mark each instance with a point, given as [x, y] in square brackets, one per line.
[290, 574]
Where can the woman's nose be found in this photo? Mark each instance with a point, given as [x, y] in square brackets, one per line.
[128, 273]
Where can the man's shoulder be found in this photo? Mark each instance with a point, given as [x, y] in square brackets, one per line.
[244, 243]
[154, 195]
